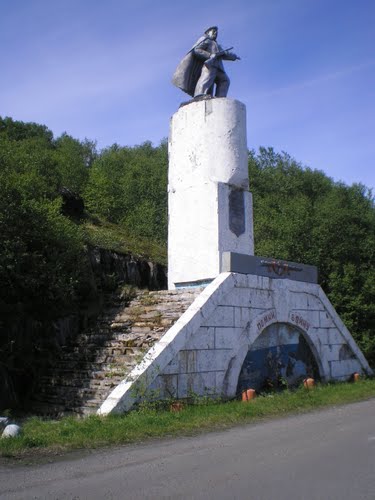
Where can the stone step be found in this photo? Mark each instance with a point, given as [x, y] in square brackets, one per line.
[96, 361]
[96, 380]
[75, 392]
[68, 374]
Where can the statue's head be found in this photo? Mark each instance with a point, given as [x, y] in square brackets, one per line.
[211, 32]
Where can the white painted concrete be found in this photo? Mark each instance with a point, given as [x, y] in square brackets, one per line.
[208, 143]
[208, 159]
[204, 351]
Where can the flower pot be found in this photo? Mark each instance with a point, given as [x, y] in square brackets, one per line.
[356, 377]
[248, 395]
[176, 406]
[309, 383]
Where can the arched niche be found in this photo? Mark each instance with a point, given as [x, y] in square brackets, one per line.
[280, 356]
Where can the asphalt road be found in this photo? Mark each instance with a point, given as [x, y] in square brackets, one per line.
[326, 455]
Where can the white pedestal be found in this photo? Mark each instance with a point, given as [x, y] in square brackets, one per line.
[210, 207]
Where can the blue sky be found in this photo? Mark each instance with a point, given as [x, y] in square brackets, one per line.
[102, 70]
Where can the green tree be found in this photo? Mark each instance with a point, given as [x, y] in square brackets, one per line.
[43, 268]
[74, 158]
[128, 186]
[19, 131]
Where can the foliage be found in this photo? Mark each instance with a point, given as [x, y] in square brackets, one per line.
[18, 131]
[74, 159]
[40, 250]
[128, 186]
[115, 237]
[43, 271]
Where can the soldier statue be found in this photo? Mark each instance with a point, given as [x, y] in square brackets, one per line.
[202, 68]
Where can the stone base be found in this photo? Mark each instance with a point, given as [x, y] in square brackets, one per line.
[209, 224]
[207, 349]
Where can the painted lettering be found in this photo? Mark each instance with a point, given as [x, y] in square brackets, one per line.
[300, 321]
[279, 267]
[266, 319]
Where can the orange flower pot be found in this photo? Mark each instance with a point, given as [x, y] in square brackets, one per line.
[251, 394]
[356, 377]
[248, 395]
[176, 407]
[309, 383]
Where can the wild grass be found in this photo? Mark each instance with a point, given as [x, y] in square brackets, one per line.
[41, 437]
[114, 237]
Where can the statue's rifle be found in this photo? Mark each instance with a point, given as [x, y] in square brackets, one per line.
[221, 53]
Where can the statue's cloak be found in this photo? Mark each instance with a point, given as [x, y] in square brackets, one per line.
[189, 70]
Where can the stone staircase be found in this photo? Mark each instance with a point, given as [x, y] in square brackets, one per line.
[92, 365]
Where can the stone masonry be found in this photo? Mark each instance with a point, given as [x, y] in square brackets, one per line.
[100, 357]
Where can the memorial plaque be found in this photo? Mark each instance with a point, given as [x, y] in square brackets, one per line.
[237, 211]
[271, 268]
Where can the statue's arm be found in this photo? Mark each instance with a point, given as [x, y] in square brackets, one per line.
[227, 54]
[230, 56]
[200, 50]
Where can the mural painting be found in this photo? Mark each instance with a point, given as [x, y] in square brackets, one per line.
[279, 358]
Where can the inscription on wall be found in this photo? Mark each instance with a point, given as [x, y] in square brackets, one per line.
[265, 320]
[279, 267]
[298, 320]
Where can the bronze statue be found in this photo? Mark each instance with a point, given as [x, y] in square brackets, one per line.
[202, 68]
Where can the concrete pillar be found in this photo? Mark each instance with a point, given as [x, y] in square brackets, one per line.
[210, 207]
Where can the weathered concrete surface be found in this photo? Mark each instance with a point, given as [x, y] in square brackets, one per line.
[328, 454]
[204, 352]
[210, 207]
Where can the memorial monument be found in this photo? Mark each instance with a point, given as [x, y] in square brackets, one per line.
[257, 321]
[208, 169]
[202, 70]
